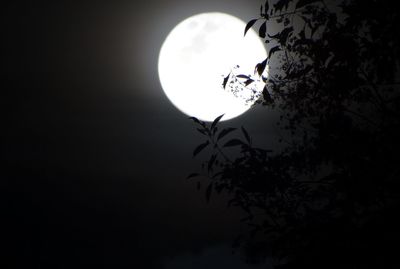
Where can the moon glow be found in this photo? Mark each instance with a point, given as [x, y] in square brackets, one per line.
[196, 56]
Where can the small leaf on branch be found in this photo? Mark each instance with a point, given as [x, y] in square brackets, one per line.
[215, 122]
[249, 25]
[273, 50]
[248, 82]
[274, 36]
[263, 30]
[215, 130]
[267, 96]
[226, 80]
[233, 143]
[211, 162]
[200, 148]
[195, 120]
[243, 76]
[264, 79]
[224, 132]
[202, 131]
[261, 67]
[246, 135]
[266, 7]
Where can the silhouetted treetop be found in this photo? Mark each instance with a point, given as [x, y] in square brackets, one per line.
[327, 200]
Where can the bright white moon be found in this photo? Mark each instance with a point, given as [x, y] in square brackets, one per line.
[197, 55]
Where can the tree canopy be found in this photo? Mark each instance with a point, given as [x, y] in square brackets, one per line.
[329, 199]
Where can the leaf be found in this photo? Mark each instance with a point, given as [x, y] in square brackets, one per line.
[266, 7]
[273, 50]
[200, 148]
[303, 3]
[202, 131]
[211, 162]
[208, 192]
[248, 82]
[243, 76]
[263, 30]
[246, 135]
[274, 36]
[192, 175]
[282, 36]
[264, 79]
[215, 131]
[226, 80]
[195, 120]
[215, 122]
[233, 143]
[267, 96]
[224, 132]
[249, 25]
[261, 67]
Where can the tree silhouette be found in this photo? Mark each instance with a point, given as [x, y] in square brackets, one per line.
[330, 198]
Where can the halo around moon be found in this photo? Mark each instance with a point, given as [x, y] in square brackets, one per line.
[196, 56]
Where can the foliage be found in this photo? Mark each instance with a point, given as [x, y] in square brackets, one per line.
[328, 199]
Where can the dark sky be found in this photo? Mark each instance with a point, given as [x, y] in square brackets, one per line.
[95, 156]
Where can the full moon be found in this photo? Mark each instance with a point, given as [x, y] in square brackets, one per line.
[196, 57]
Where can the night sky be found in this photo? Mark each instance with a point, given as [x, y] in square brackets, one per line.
[94, 155]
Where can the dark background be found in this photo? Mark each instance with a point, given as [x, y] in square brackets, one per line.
[94, 156]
